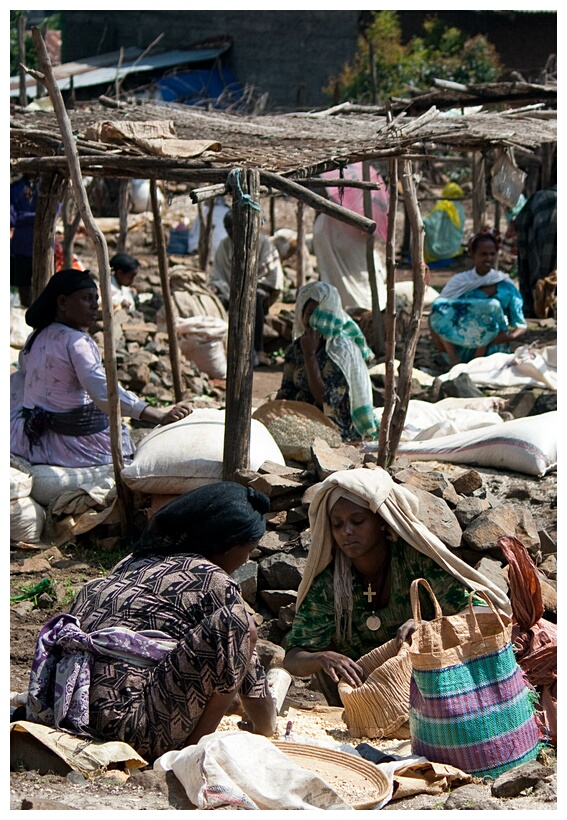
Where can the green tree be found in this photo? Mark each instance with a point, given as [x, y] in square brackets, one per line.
[53, 22]
[383, 67]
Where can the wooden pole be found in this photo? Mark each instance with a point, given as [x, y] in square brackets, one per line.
[292, 188]
[300, 250]
[166, 290]
[390, 396]
[377, 323]
[22, 59]
[419, 272]
[241, 317]
[123, 189]
[205, 235]
[43, 255]
[272, 215]
[97, 237]
[71, 222]
[479, 191]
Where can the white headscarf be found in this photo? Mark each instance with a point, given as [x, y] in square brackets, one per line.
[346, 347]
[375, 489]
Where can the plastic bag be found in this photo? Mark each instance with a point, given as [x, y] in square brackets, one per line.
[507, 179]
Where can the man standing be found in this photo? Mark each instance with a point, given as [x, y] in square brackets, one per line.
[269, 281]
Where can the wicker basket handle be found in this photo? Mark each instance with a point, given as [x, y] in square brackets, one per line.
[414, 596]
[472, 613]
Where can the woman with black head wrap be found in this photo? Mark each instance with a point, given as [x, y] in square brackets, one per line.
[156, 652]
[59, 398]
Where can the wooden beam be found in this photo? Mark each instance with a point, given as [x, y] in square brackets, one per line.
[123, 191]
[300, 249]
[418, 271]
[390, 333]
[50, 192]
[377, 324]
[479, 191]
[166, 291]
[97, 237]
[241, 316]
[296, 190]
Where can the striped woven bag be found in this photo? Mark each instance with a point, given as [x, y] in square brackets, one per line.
[470, 706]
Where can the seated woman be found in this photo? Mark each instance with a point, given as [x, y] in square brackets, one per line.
[367, 546]
[444, 227]
[59, 400]
[164, 643]
[325, 364]
[479, 311]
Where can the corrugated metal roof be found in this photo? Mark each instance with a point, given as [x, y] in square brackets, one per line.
[103, 69]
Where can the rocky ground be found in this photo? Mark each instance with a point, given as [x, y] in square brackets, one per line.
[531, 501]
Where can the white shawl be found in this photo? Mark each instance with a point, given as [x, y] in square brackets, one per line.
[399, 507]
[468, 280]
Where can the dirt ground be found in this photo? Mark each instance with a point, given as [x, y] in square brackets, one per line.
[149, 791]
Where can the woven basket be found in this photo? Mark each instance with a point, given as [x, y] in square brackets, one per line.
[380, 706]
[298, 450]
[360, 784]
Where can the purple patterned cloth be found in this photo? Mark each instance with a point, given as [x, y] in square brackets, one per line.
[61, 668]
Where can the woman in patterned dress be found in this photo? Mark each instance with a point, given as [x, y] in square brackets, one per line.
[367, 546]
[479, 311]
[325, 364]
[157, 651]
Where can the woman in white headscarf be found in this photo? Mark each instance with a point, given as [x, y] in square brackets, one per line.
[326, 363]
[368, 545]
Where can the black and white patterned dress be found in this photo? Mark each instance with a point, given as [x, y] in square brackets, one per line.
[196, 603]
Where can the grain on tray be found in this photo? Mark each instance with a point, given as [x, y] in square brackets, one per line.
[298, 431]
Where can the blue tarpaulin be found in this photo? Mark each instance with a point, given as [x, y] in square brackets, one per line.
[194, 87]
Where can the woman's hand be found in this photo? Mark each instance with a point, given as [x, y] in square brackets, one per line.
[405, 632]
[156, 415]
[177, 412]
[310, 342]
[338, 666]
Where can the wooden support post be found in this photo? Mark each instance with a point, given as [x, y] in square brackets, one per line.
[97, 237]
[272, 216]
[419, 272]
[166, 291]
[123, 191]
[205, 235]
[479, 191]
[300, 250]
[241, 317]
[22, 59]
[390, 375]
[43, 257]
[377, 323]
[71, 221]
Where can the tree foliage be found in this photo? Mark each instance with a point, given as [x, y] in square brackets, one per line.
[443, 52]
[53, 22]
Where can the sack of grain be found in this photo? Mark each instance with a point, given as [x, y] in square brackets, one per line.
[188, 454]
[20, 484]
[49, 480]
[27, 520]
[201, 340]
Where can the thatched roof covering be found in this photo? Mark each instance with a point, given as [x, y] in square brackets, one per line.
[297, 144]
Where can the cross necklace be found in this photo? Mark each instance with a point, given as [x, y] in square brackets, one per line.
[373, 622]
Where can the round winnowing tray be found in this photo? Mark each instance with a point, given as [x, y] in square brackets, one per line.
[358, 782]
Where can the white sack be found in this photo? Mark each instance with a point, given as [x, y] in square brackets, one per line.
[527, 445]
[523, 367]
[49, 480]
[20, 484]
[201, 340]
[188, 454]
[27, 520]
[245, 771]
[19, 330]
[428, 420]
